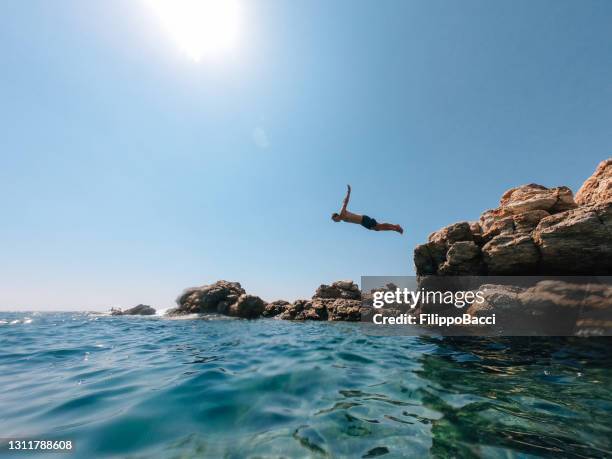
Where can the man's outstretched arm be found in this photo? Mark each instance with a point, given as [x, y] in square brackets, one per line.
[346, 200]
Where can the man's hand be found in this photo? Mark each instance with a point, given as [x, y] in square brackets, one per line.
[346, 200]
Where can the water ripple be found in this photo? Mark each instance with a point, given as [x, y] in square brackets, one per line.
[152, 387]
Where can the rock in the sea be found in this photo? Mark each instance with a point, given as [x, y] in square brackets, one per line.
[222, 297]
[140, 310]
[215, 297]
[275, 308]
[339, 301]
[535, 230]
[598, 187]
[346, 310]
[306, 310]
[247, 306]
[346, 289]
[338, 309]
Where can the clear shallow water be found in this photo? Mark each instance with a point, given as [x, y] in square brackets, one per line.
[152, 387]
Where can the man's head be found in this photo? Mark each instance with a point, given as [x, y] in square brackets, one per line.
[335, 217]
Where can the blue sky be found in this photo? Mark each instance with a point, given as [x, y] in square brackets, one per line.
[128, 171]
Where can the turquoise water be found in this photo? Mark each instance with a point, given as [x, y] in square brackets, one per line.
[152, 387]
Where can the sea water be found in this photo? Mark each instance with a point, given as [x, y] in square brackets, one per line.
[147, 387]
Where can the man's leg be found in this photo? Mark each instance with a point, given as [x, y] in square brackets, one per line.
[389, 227]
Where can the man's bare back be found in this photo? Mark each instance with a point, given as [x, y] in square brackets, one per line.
[363, 220]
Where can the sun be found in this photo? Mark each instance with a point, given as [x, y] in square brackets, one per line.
[201, 28]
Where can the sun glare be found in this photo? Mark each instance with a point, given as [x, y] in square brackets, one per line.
[201, 28]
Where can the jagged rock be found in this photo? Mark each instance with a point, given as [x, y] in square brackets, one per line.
[346, 310]
[247, 306]
[340, 289]
[530, 197]
[431, 256]
[598, 187]
[291, 312]
[222, 297]
[215, 297]
[427, 257]
[577, 241]
[535, 230]
[463, 257]
[317, 310]
[306, 310]
[517, 223]
[511, 254]
[338, 301]
[140, 310]
[456, 232]
[275, 308]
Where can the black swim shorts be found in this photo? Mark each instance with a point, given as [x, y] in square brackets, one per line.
[368, 222]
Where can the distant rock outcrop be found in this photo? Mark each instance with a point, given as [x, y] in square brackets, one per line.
[339, 301]
[535, 230]
[140, 310]
[222, 297]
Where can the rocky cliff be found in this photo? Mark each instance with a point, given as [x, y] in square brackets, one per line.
[535, 230]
